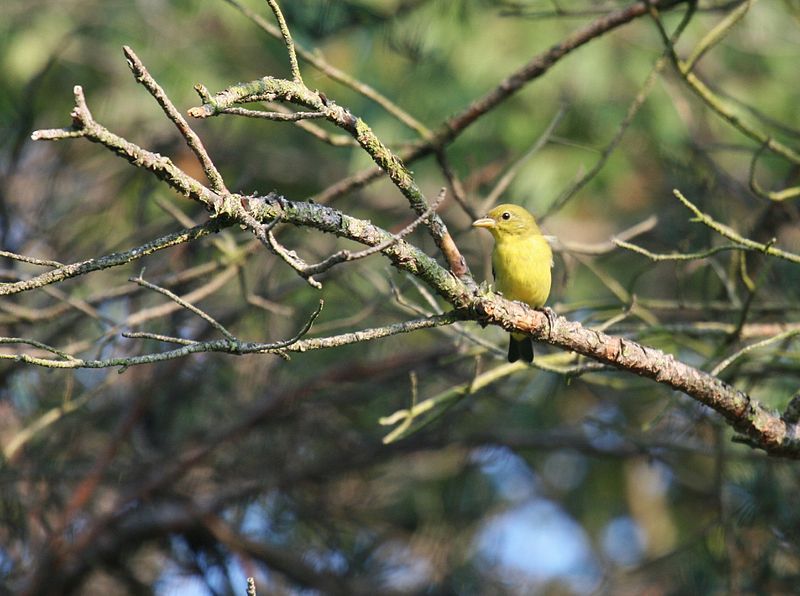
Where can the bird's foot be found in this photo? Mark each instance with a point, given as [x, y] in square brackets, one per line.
[551, 319]
[486, 289]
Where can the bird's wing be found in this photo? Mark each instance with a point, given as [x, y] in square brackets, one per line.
[554, 242]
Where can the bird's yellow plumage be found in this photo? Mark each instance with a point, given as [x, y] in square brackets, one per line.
[521, 263]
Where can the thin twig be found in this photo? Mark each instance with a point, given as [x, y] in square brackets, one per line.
[677, 256]
[609, 149]
[287, 39]
[84, 126]
[293, 344]
[459, 193]
[601, 248]
[108, 261]
[717, 34]
[728, 233]
[192, 140]
[316, 59]
[31, 260]
[292, 259]
[179, 301]
[346, 255]
[715, 103]
[35, 344]
[511, 173]
[264, 234]
[218, 282]
[158, 337]
[754, 346]
[277, 116]
[772, 195]
[305, 328]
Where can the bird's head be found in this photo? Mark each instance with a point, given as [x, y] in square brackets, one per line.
[506, 221]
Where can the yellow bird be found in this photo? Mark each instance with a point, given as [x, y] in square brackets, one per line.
[521, 264]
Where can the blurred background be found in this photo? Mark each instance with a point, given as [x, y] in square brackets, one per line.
[188, 476]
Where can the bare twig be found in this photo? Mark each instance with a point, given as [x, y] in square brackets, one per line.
[772, 195]
[511, 173]
[287, 39]
[292, 259]
[226, 346]
[192, 140]
[459, 193]
[158, 337]
[213, 285]
[754, 346]
[718, 33]
[346, 255]
[715, 103]
[277, 116]
[677, 256]
[183, 304]
[316, 59]
[535, 68]
[601, 248]
[30, 260]
[35, 344]
[84, 126]
[108, 261]
[728, 233]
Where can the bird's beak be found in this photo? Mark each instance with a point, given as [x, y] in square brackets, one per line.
[484, 222]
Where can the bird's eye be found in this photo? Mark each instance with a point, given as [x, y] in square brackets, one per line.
[506, 215]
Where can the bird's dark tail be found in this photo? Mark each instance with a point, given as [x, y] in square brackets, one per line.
[520, 348]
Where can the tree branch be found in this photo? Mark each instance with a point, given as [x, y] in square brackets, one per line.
[64, 272]
[532, 70]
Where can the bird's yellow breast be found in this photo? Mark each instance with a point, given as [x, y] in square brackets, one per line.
[522, 268]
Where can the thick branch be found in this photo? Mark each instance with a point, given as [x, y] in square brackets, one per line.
[762, 426]
[290, 91]
[746, 415]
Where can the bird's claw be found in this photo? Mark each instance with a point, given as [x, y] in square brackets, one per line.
[551, 319]
[485, 289]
